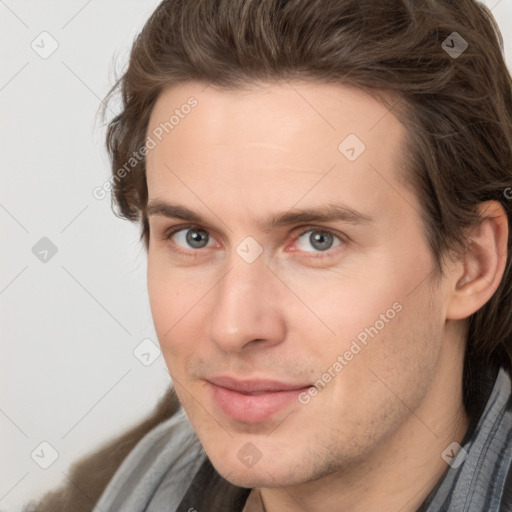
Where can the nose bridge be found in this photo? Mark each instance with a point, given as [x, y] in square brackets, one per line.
[245, 306]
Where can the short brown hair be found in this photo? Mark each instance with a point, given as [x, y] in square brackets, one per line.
[457, 109]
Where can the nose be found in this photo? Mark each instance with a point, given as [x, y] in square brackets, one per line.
[247, 308]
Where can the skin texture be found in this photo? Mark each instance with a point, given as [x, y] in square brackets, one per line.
[372, 438]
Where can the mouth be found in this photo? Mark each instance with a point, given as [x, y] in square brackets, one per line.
[253, 401]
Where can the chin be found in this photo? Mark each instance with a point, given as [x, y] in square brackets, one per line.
[251, 478]
[267, 472]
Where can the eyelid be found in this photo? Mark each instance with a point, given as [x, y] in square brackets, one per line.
[168, 233]
[180, 227]
[321, 229]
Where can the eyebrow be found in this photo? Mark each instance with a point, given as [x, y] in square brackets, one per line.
[325, 213]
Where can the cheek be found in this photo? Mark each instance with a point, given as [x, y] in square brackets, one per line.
[394, 369]
[161, 297]
[169, 301]
[387, 331]
[350, 308]
[178, 304]
[171, 291]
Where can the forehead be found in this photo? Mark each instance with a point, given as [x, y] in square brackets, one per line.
[273, 143]
[270, 114]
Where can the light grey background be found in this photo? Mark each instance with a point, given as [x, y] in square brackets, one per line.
[70, 323]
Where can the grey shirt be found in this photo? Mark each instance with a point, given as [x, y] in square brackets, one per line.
[167, 469]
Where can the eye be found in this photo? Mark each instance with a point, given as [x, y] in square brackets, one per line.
[188, 240]
[189, 237]
[320, 239]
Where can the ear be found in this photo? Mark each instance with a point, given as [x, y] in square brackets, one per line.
[478, 275]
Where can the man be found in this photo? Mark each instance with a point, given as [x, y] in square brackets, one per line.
[324, 194]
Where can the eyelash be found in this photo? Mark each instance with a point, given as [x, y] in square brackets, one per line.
[320, 255]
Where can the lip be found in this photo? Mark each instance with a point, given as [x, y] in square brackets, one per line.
[253, 401]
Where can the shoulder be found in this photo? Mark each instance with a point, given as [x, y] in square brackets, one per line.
[486, 476]
[480, 477]
[506, 453]
[133, 454]
[170, 451]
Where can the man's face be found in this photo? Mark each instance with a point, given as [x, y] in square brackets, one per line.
[346, 303]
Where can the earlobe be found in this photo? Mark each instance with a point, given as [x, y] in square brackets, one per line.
[483, 264]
